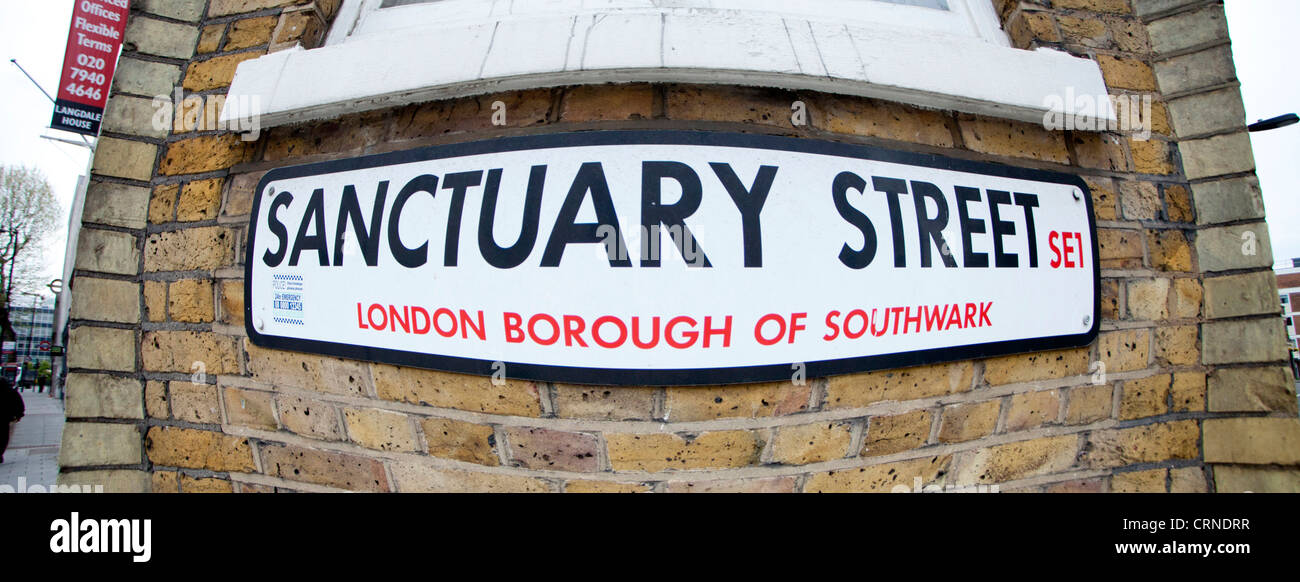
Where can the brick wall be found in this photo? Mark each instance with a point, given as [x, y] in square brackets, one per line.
[1185, 390]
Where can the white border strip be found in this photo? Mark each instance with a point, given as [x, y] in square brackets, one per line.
[926, 69]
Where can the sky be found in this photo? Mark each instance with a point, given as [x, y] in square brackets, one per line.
[1263, 48]
[34, 33]
[1262, 32]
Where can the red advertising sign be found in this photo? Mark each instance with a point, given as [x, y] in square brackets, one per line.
[94, 38]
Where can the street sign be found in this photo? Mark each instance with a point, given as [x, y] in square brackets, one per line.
[669, 257]
[45, 346]
[94, 38]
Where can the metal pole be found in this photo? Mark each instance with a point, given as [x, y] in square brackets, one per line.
[31, 333]
[47, 96]
[29, 77]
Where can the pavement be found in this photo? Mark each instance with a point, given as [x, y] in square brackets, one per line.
[32, 458]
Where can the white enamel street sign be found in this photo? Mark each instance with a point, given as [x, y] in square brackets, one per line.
[668, 257]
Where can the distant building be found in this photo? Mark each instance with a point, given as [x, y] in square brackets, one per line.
[1288, 291]
[32, 325]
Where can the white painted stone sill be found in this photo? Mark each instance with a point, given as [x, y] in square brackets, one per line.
[924, 68]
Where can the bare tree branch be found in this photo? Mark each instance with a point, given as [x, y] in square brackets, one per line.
[28, 214]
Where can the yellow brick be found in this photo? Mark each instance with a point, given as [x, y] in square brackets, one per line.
[463, 441]
[1036, 366]
[162, 203]
[232, 302]
[190, 300]
[1120, 249]
[155, 399]
[1187, 480]
[1179, 345]
[1126, 73]
[165, 482]
[189, 352]
[1013, 139]
[215, 72]
[203, 154]
[811, 443]
[1143, 444]
[198, 449]
[1188, 392]
[882, 119]
[604, 403]
[204, 485]
[896, 433]
[1105, 6]
[1151, 157]
[203, 248]
[881, 478]
[757, 485]
[416, 478]
[196, 403]
[857, 390]
[662, 451]
[1169, 250]
[1033, 409]
[199, 200]
[1124, 350]
[1149, 298]
[1088, 404]
[1151, 481]
[296, 370]
[210, 38]
[735, 104]
[250, 408]
[964, 422]
[582, 486]
[1018, 460]
[250, 32]
[1185, 301]
[751, 401]
[608, 102]
[380, 429]
[459, 391]
[307, 417]
[1144, 397]
[155, 300]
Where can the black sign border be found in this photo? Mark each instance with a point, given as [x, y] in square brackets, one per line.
[684, 376]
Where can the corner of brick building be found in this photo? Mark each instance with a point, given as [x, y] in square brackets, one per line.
[1191, 394]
